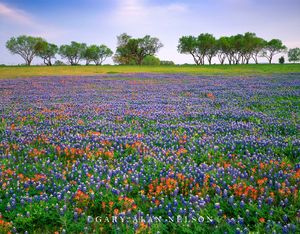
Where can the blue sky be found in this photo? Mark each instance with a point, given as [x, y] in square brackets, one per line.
[100, 21]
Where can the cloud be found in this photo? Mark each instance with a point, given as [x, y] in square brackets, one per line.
[16, 15]
[16, 21]
[141, 11]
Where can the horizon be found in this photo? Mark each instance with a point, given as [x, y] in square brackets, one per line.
[100, 22]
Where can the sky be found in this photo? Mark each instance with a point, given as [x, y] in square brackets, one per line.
[100, 21]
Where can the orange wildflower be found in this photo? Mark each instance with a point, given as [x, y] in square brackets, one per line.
[262, 220]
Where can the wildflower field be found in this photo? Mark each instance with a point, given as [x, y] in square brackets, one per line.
[150, 153]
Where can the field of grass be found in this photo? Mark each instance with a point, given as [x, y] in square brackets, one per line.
[233, 70]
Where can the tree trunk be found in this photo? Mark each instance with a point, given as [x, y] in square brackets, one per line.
[195, 59]
[209, 60]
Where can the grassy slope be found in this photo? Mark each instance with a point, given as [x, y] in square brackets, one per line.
[251, 69]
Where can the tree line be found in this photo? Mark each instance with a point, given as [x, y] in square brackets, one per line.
[141, 51]
[236, 49]
[29, 47]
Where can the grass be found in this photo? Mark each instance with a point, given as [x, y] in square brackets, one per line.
[233, 70]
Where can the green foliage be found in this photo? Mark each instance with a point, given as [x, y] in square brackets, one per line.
[73, 52]
[281, 60]
[206, 46]
[188, 45]
[47, 51]
[97, 54]
[151, 60]
[294, 55]
[240, 48]
[25, 46]
[132, 51]
[272, 48]
[59, 63]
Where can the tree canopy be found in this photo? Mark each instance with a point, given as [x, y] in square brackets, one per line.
[47, 51]
[25, 46]
[240, 48]
[73, 52]
[97, 54]
[134, 50]
[271, 48]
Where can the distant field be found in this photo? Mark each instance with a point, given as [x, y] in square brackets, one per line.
[251, 69]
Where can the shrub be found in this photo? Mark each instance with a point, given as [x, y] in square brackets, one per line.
[281, 60]
[167, 63]
[151, 60]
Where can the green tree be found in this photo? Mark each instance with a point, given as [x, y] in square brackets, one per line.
[90, 53]
[73, 52]
[272, 48]
[209, 44]
[188, 45]
[249, 47]
[206, 47]
[103, 52]
[224, 47]
[47, 51]
[134, 50]
[96, 54]
[258, 45]
[230, 49]
[25, 46]
[294, 55]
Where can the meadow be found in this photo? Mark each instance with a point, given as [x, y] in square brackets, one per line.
[150, 153]
[209, 70]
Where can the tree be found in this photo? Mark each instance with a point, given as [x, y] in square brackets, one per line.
[73, 52]
[227, 48]
[46, 51]
[134, 50]
[281, 60]
[205, 45]
[294, 55]
[103, 52]
[208, 45]
[25, 46]
[151, 60]
[90, 53]
[125, 50]
[187, 45]
[223, 46]
[237, 44]
[259, 44]
[272, 48]
[248, 46]
[97, 54]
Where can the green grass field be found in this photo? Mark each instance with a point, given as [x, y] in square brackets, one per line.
[232, 70]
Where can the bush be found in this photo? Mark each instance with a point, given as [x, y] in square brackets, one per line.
[151, 61]
[281, 60]
[59, 63]
[167, 63]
